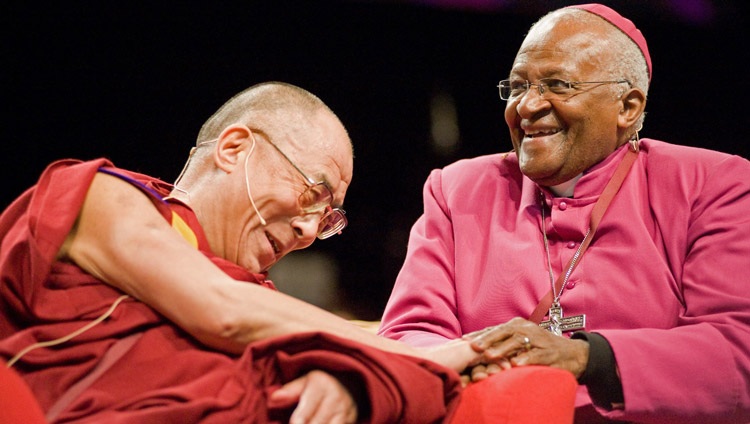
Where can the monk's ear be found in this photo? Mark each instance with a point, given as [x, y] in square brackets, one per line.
[633, 104]
[234, 140]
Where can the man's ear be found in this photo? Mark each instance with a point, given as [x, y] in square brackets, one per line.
[234, 140]
[633, 105]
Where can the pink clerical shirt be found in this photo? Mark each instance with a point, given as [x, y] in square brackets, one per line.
[666, 279]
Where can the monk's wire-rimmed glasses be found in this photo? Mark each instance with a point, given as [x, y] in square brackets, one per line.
[316, 198]
[549, 88]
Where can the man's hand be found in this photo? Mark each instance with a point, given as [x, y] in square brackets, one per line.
[519, 342]
[456, 354]
[320, 398]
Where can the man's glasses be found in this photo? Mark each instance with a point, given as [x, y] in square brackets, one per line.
[549, 88]
[317, 197]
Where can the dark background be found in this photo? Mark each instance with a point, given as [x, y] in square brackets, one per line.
[134, 81]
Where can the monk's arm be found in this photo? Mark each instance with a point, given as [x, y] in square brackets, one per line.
[121, 239]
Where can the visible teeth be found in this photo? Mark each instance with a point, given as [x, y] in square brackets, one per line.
[541, 133]
[273, 243]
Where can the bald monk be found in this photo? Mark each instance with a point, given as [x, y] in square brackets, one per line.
[126, 299]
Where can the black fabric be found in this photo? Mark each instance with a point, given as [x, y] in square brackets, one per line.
[600, 376]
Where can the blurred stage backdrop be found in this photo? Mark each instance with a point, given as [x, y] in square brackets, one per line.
[413, 81]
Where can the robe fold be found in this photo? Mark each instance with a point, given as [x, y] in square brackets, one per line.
[156, 372]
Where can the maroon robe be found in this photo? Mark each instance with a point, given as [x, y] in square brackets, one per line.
[156, 372]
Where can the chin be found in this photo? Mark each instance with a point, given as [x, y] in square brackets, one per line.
[532, 168]
[253, 265]
[541, 176]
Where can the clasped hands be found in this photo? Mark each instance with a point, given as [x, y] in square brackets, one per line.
[520, 342]
[479, 354]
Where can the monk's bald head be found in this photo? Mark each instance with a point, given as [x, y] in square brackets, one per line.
[264, 106]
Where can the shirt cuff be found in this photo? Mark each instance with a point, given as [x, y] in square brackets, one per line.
[600, 376]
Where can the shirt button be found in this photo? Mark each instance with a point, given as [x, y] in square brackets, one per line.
[563, 206]
[570, 285]
[571, 244]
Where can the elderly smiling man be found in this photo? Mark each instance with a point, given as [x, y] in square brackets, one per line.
[638, 248]
[127, 299]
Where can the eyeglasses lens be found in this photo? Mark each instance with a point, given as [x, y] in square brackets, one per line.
[333, 222]
[315, 198]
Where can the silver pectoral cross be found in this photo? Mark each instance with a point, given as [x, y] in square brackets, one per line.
[557, 323]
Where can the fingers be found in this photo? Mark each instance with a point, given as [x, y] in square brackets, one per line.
[323, 400]
[495, 368]
[506, 340]
[515, 343]
[491, 336]
[519, 342]
[457, 354]
[480, 372]
[526, 344]
[287, 395]
[483, 371]
[510, 347]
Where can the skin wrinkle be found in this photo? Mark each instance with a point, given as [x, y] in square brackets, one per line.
[316, 142]
[581, 142]
[125, 237]
[572, 135]
[334, 169]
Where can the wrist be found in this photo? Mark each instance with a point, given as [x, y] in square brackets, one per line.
[581, 359]
[456, 354]
[601, 376]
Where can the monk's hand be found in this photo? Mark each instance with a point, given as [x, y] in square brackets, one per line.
[481, 371]
[520, 342]
[456, 354]
[320, 398]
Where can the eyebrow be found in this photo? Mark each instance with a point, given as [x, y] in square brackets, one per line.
[554, 72]
[308, 179]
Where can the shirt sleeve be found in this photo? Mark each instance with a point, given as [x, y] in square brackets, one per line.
[422, 308]
[702, 212]
[600, 376]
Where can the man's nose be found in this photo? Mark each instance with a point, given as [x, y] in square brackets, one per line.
[306, 227]
[531, 102]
